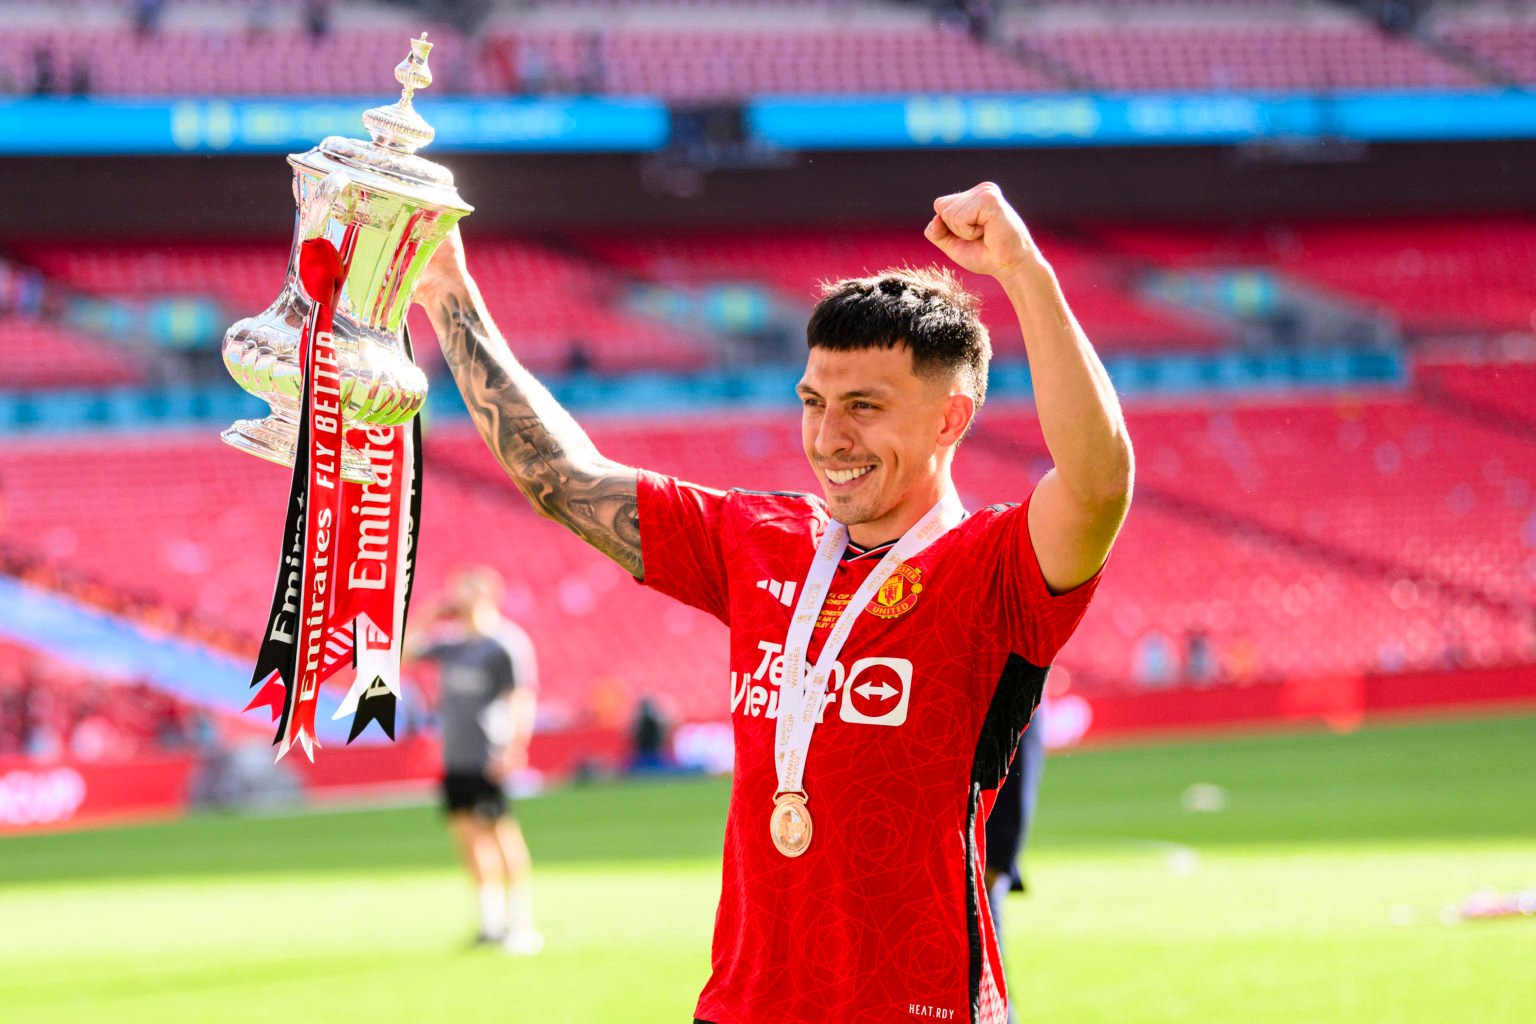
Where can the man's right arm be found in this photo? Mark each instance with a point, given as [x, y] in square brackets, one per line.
[545, 452]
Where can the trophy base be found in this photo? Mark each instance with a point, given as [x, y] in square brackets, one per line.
[277, 440]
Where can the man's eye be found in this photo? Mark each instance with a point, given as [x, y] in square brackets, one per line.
[863, 406]
[810, 403]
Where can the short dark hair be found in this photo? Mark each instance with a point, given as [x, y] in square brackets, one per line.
[927, 310]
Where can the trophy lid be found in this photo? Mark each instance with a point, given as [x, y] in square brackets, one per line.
[388, 162]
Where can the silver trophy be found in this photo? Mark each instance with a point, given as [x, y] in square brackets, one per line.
[389, 209]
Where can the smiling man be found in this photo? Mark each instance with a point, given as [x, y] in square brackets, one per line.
[887, 647]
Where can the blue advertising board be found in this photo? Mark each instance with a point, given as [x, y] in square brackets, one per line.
[122, 126]
[1143, 119]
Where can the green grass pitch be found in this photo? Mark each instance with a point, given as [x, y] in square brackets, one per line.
[1315, 896]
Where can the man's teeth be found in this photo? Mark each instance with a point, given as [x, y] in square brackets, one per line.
[843, 476]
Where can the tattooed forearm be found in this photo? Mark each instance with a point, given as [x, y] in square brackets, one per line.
[543, 450]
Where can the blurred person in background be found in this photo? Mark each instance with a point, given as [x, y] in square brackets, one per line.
[260, 18]
[594, 67]
[44, 79]
[317, 19]
[649, 736]
[147, 15]
[80, 84]
[487, 692]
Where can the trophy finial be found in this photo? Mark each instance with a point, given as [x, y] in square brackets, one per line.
[398, 126]
[413, 73]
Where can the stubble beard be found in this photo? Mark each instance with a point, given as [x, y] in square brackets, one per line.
[851, 510]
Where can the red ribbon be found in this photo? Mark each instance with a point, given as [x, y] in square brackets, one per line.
[321, 273]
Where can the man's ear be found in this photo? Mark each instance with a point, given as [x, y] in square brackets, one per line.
[959, 410]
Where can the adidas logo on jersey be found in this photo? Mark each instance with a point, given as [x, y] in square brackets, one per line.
[785, 591]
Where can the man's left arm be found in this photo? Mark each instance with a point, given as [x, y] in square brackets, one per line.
[522, 706]
[519, 680]
[1077, 509]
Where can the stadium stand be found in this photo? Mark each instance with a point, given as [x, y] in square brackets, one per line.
[1435, 275]
[242, 276]
[796, 263]
[579, 306]
[1431, 276]
[1431, 497]
[683, 64]
[219, 60]
[1501, 36]
[38, 354]
[1503, 389]
[698, 51]
[677, 63]
[1190, 54]
[1244, 544]
[49, 707]
[578, 303]
[582, 289]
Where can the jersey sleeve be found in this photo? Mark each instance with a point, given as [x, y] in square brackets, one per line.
[1035, 622]
[503, 671]
[680, 542]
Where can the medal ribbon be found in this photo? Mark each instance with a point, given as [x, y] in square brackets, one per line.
[803, 692]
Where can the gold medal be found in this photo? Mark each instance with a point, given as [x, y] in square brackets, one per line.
[790, 824]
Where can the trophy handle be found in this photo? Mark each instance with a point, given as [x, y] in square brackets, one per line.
[318, 209]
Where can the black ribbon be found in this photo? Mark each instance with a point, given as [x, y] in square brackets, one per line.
[278, 651]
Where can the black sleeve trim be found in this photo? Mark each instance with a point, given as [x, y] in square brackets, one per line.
[1018, 692]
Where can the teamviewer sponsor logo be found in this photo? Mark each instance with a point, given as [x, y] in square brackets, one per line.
[877, 692]
[785, 591]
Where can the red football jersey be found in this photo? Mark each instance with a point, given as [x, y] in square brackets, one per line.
[884, 917]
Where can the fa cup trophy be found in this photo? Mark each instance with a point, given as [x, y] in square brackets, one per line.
[332, 359]
[385, 209]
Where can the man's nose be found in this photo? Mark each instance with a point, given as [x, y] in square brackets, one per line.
[832, 435]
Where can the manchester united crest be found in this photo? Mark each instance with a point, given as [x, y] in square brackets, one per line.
[899, 593]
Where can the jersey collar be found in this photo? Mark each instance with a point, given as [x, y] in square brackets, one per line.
[855, 553]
